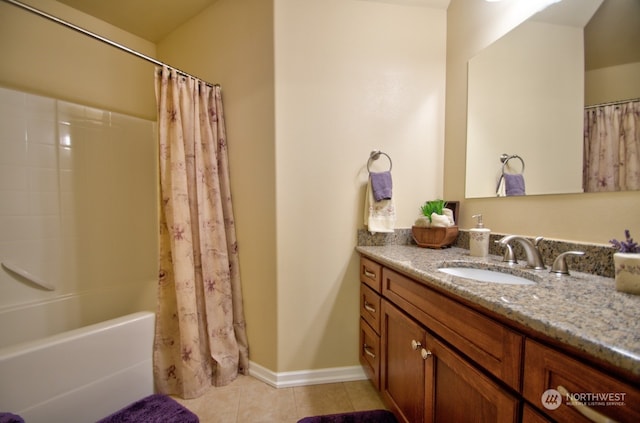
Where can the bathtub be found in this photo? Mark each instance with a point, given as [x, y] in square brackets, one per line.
[80, 375]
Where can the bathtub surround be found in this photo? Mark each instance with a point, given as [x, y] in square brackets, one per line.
[200, 332]
[70, 176]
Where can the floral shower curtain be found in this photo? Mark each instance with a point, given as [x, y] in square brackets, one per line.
[612, 147]
[200, 337]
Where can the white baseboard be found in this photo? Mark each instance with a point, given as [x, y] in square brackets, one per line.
[306, 377]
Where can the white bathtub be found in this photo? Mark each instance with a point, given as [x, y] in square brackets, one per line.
[81, 375]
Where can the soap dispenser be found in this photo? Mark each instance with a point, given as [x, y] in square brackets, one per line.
[479, 239]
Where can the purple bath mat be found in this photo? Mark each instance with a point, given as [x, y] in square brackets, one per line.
[373, 416]
[153, 409]
[10, 418]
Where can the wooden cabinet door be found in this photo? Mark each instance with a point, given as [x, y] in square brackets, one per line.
[458, 392]
[402, 366]
[581, 393]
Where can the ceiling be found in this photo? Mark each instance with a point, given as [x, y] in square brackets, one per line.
[154, 19]
[149, 19]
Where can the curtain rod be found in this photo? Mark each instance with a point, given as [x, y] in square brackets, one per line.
[612, 103]
[99, 38]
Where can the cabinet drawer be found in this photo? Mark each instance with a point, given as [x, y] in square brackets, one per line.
[370, 352]
[493, 346]
[546, 368]
[370, 273]
[370, 307]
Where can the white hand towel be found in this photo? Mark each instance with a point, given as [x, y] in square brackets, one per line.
[379, 216]
[440, 221]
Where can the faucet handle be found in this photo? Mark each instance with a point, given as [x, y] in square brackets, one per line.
[560, 263]
[509, 256]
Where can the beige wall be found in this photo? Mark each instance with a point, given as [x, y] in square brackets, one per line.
[612, 84]
[351, 76]
[42, 57]
[472, 25]
[231, 43]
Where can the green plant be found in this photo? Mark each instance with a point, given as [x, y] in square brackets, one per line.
[434, 206]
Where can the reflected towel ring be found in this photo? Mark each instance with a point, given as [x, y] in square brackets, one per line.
[375, 155]
[505, 160]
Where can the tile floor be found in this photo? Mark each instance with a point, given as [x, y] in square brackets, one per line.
[248, 400]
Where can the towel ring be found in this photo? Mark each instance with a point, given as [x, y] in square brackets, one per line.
[505, 160]
[375, 155]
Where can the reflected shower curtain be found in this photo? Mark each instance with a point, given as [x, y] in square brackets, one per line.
[200, 337]
[612, 147]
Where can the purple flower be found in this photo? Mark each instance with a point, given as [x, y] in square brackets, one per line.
[628, 246]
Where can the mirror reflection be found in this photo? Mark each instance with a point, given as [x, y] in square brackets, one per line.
[528, 130]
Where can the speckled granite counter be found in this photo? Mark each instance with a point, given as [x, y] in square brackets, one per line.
[580, 310]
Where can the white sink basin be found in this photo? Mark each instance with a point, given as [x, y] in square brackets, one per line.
[484, 275]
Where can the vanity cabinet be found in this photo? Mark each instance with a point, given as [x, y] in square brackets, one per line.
[493, 346]
[435, 358]
[423, 380]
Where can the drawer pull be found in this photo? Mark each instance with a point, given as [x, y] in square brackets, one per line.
[586, 411]
[367, 351]
[369, 307]
[425, 354]
[415, 345]
[369, 273]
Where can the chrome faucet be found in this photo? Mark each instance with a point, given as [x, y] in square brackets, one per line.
[534, 258]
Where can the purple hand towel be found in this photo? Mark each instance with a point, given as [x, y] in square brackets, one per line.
[514, 184]
[381, 185]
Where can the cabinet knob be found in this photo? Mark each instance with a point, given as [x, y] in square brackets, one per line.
[415, 344]
[425, 354]
[367, 350]
[369, 307]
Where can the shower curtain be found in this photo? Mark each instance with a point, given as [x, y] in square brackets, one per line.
[612, 147]
[200, 337]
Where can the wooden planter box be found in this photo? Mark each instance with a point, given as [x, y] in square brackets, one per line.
[434, 237]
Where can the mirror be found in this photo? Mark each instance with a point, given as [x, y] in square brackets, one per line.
[528, 90]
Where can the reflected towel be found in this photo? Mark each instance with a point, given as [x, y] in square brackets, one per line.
[379, 216]
[513, 184]
[381, 184]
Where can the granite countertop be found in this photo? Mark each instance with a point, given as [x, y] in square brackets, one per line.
[581, 310]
